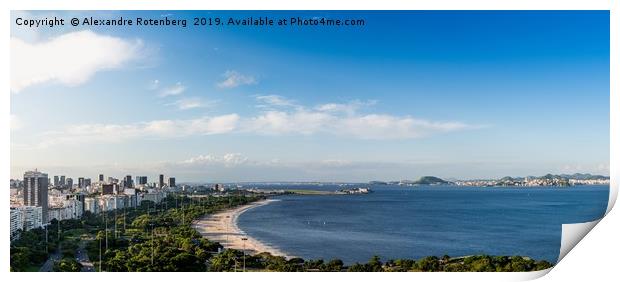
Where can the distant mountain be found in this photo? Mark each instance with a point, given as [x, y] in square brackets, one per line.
[578, 176]
[430, 180]
[584, 176]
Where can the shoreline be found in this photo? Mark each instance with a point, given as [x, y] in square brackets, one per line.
[222, 227]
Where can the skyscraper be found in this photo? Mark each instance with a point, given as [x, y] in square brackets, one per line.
[141, 180]
[108, 189]
[62, 180]
[86, 182]
[56, 181]
[161, 181]
[172, 182]
[81, 182]
[35, 191]
[70, 182]
[100, 177]
[128, 182]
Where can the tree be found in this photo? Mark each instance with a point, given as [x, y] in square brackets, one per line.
[334, 265]
[428, 264]
[187, 262]
[356, 267]
[141, 222]
[224, 261]
[67, 265]
[20, 259]
[375, 264]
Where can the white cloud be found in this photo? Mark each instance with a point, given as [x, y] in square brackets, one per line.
[89, 133]
[192, 103]
[267, 101]
[320, 120]
[348, 108]
[154, 85]
[341, 119]
[174, 90]
[234, 79]
[372, 126]
[227, 160]
[70, 59]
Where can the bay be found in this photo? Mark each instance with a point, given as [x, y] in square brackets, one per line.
[413, 222]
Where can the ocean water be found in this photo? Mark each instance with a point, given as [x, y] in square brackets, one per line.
[413, 222]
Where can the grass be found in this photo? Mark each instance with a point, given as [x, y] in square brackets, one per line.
[74, 233]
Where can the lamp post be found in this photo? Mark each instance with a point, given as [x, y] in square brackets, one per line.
[227, 228]
[46, 248]
[105, 216]
[99, 254]
[152, 243]
[244, 239]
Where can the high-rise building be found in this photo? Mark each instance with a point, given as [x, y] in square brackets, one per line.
[87, 182]
[219, 187]
[161, 181]
[172, 182]
[62, 180]
[109, 189]
[56, 181]
[100, 177]
[70, 182]
[128, 182]
[81, 182]
[141, 180]
[35, 191]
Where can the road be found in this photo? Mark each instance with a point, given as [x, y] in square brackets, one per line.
[82, 257]
[49, 264]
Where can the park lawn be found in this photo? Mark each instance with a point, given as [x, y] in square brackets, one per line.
[75, 233]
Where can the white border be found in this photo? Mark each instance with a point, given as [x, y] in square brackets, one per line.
[592, 258]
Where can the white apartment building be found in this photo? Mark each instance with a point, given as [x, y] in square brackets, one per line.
[31, 216]
[69, 209]
[17, 222]
[91, 204]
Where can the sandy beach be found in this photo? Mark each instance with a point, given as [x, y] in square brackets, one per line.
[222, 227]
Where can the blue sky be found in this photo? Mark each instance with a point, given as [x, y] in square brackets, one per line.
[452, 94]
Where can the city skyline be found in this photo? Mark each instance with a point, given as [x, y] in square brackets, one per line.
[504, 93]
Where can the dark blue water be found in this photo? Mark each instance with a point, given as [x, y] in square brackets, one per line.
[406, 222]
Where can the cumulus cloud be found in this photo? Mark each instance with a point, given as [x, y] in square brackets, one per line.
[70, 59]
[234, 79]
[174, 90]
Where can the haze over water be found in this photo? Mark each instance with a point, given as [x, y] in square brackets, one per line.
[413, 222]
